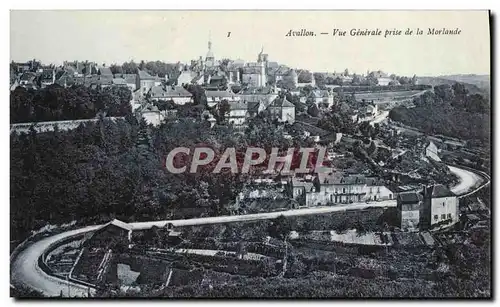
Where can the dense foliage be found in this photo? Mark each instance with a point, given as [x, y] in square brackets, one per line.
[103, 170]
[154, 68]
[448, 110]
[379, 88]
[58, 103]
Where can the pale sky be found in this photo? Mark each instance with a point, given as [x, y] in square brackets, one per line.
[171, 36]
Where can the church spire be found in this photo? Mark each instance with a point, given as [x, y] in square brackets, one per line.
[209, 40]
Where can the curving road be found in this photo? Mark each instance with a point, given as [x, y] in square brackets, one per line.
[25, 269]
[468, 180]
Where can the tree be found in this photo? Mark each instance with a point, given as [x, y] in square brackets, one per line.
[116, 69]
[356, 80]
[444, 92]
[199, 97]
[222, 111]
[338, 81]
[299, 106]
[313, 110]
[280, 227]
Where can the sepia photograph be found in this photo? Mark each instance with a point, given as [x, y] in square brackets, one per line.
[247, 154]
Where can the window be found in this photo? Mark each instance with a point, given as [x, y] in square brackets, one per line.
[343, 190]
[443, 216]
[449, 215]
[435, 217]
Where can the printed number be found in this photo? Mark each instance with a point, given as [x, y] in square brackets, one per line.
[228, 34]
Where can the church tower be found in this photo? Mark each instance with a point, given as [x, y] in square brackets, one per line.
[210, 59]
[262, 61]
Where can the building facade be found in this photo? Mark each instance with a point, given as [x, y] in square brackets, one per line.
[337, 188]
[283, 110]
[409, 205]
[440, 207]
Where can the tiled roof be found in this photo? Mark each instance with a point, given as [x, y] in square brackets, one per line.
[438, 191]
[282, 103]
[409, 197]
[219, 94]
[143, 75]
[59, 74]
[342, 178]
[105, 71]
[129, 78]
[28, 76]
[168, 91]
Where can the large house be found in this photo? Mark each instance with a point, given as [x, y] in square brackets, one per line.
[283, 110]
[431, 208]
[150, 114]
[338, 188]
[214, 97]
[322, 98]
[176, 94]
[238, 113]
[145, 81]
[368, 112]
[440, 206]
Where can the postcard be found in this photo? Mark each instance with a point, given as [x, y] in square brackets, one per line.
[250, 154]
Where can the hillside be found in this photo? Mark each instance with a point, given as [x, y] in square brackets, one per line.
[481, 81]
[472, 83]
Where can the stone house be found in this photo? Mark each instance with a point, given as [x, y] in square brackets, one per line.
[409, 205]
[440, 206]
[338, 188]
[283, 110]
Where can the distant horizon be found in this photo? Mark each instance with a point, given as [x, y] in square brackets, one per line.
[171, 36]
[108, 64]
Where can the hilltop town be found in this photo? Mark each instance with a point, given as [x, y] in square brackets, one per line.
[400, 208]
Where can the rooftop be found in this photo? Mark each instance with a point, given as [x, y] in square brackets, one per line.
[438, 191]
[105, 71]
[282, 103]
[409, 197]
[219, 94]
[143, 75]
[169, 91]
